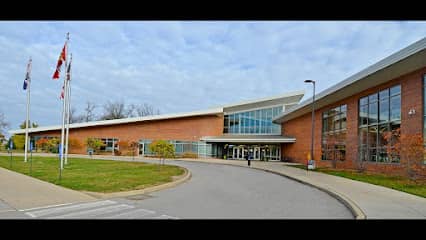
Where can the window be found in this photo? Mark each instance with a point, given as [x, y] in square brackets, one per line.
[334, 134]
[108, 144]
[379, 113]
[253, 122]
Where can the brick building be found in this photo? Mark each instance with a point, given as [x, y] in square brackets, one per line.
[353, 116]
[351, 119]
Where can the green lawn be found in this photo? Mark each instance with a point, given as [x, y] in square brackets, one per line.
[95, 175]
[394, 182]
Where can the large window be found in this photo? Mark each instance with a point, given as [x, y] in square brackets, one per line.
[379, 113]
[109, 142]
[201, 149]
[333, 145]
[253, 122]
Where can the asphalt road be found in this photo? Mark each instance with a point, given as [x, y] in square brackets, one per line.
[214, 191]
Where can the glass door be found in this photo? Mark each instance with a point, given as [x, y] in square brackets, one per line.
[256, 153]
[141, 149]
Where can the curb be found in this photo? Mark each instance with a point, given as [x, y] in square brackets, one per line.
[181, 179]
[355, 209]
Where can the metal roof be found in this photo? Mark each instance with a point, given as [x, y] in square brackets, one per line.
[402, 62]
[287, 98]
[214, 111]
[227, 138]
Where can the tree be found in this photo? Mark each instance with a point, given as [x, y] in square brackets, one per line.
[19, 141]
[42, 144]
[113, 110]
[3, 124]
[52, 145]
[30, 125]
[74, 118]
[145, 110]
[162, 149]
[94, 144]
[409, 148]
[133, 146]
[89, 112]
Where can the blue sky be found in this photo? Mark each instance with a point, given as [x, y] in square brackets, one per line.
[180, 66]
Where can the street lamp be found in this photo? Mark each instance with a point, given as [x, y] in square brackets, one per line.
[313, 121]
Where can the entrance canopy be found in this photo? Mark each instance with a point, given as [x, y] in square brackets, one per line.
[249, 139]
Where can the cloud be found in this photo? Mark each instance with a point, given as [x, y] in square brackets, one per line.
[182, 66]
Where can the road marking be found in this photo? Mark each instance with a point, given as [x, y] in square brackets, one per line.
[44, 207]
[95, 212]
[133, 214]
[81, 206]
[165, 217]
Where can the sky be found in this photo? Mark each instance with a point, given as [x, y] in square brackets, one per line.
[182, 66]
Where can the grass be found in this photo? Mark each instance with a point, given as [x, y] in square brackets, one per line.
[94, 175]
[395, 182]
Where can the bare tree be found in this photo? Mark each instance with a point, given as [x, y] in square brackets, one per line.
[146, 110]
[3, 124]
[89, 112]
[130, 111]
[74, 118]
[114, 110]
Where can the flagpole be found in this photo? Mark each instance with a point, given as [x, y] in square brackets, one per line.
[68, 111]
[28, 112]
[61, 147]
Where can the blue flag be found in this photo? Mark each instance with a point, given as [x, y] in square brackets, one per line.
[27, 76]
[10, 144]
[60, 150]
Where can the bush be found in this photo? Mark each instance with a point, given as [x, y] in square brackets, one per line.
[117, 152]
[189, 155]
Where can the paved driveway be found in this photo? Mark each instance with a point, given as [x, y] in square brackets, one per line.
[214, 191]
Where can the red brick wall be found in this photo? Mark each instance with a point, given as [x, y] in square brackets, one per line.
[185, 129]
[411, 98]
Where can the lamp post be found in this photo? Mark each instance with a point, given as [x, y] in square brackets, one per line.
[313, 121]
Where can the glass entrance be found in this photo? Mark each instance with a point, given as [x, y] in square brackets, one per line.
[256, 153]
[238, 152]
[141, 149]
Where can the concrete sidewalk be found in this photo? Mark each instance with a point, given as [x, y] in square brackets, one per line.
[19, 192]
[364, 199]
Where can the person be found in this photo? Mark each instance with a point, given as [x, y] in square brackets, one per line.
[249, 156]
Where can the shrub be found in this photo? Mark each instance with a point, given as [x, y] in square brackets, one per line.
[42, 144]
[94, 143]
[74, 144]
[189, 155]
[162, 149]
[52, 145]
[19, 141]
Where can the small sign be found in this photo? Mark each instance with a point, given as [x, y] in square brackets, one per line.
[31, 146]
[60, 150]
[10, 144]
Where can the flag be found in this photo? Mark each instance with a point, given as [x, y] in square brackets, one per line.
[68, 78]
[62, 58]
[27, 75]
[62, 93]
[69, 70]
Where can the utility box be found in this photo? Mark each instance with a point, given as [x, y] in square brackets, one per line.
[311, 164]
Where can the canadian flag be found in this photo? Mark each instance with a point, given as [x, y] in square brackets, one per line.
[62, 93]
[61, 59]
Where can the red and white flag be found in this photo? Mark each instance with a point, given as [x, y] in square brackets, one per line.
[62, 93]
[68, 78]
[62, 58]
